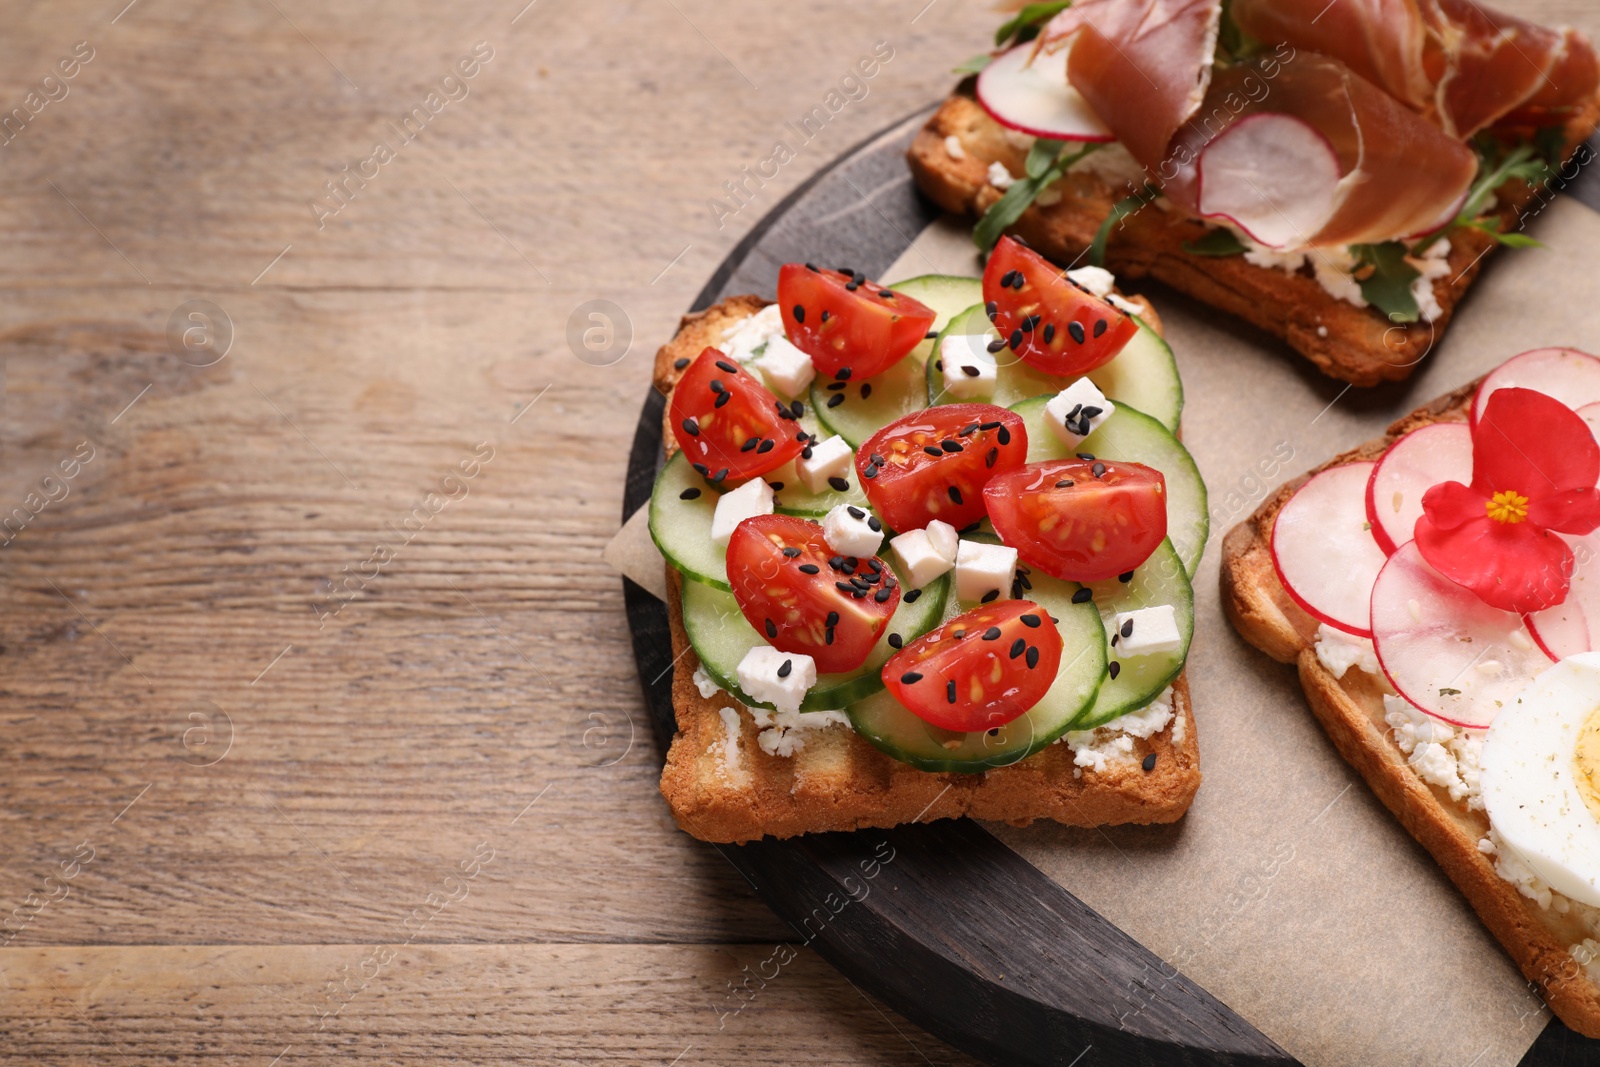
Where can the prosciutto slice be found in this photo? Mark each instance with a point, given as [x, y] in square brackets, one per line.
[1462, 65]
[1143, 65]
[1339, 162]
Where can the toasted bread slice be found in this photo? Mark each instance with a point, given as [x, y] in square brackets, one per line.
[1357, 345]
[1351, 711]
[722, 786]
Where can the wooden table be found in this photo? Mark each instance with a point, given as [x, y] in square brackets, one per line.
[320, 738]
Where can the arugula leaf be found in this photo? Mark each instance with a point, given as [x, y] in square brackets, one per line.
[1025, 24]
[1510, 240]
[1121, 210]
[1526, 161]
[1047, 161]
[974, 65]
[1216, 243]
[1387, 286]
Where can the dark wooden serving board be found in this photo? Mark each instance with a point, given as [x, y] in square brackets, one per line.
[959, 933]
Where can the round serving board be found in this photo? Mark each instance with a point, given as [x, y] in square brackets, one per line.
[960, 934]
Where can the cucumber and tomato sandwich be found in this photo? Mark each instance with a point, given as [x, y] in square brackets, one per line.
[930, 546]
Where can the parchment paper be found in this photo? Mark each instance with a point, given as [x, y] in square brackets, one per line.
[1288, 891]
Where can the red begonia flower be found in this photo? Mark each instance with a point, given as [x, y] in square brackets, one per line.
[1534, 468]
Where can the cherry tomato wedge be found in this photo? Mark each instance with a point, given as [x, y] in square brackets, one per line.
[1050, 323]
[981, 669]
[849, 326]
[933, 464]
[803, 597]
[728, 423]
[1083, 520]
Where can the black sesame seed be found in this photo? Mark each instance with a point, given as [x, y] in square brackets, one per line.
[848, 565]
[950, 691]
[1127, 629]
[1005, 279]
[955, 495]
[1018, 647]
[886, 293]
[1030, 323]
[1087, 457]
[1016, 340]
[996, 345]
[799, 313]
[1076, 330]
[938, 364]
[911, 597]
[883, 594]
[990, 597]
[839, 483]
[1029, 620]
[1098, 470]
[812, 269]
[832, 619]
[1091, 411]
[842, 374]
[791, 552]
[1114, 639]
[933, 450]
[1114, 668]
[950, 446]
[910, 678]
[798, 409]
[992, 634]
[1083, 596]
[787, 666]
[1018, 281]
[930, 335]
[834, 387]
[970, 371]
[722, 398]
[717, 386]
[1149, 762]
[866, 390]
[895, 640]
[1065, 483]
[872, 564]
[1032, 657]
[772, 628]
[825, 316]
[1100, 328]
[691, 427]
[702, 470]
[1125, 577]
[991, 309]
[724, 365]
[876, 527]
[855, 512]
[690, 493]
[1049, 332]
[852, 285]
[810, 568]
[958, 634]
[844, 587]
[870, 472]
[835, 400]
[989, 425]
[861, 584]
[748, 445]
[1004, 436]
[679, 364]
[806, 453]
[827, 635]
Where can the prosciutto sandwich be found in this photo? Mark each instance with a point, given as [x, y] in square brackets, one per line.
[1335, 174]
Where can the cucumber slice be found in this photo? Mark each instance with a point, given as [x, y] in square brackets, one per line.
[1143, 375]
[1132, 435]
[887, 724]
[1159, 580]
[681, 528]
[721, 637]
[899, 390]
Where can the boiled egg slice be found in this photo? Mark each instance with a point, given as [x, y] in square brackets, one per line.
[1541, 776]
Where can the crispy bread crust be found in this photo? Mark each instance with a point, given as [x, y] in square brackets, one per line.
[1357, 345]
[1351, 711]
[840, 781]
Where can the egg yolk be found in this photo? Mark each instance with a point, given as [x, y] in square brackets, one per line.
[1587, 759]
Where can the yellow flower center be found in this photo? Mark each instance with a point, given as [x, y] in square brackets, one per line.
[1508, 506]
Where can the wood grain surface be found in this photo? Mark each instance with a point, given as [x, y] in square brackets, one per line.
[314, 746]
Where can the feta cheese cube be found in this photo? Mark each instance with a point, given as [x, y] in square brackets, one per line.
[920, 561]
[999, 176]
[969, 367]
[1127, 307]
[740, 341]
[750, 499]
[852, 531]
[777, 678]
[1145, 632]
[788, 370]
[1096, 280]
[944, 539]
[829, 459]
[984, 571]
[1077, 411]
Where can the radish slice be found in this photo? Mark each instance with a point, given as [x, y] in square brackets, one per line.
[1034, 97]
[1414, 464]
[1590, 413]
[1323, 552]
[1275, 176]
[1570, 376]
[1443, 649]
[1572, 625]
